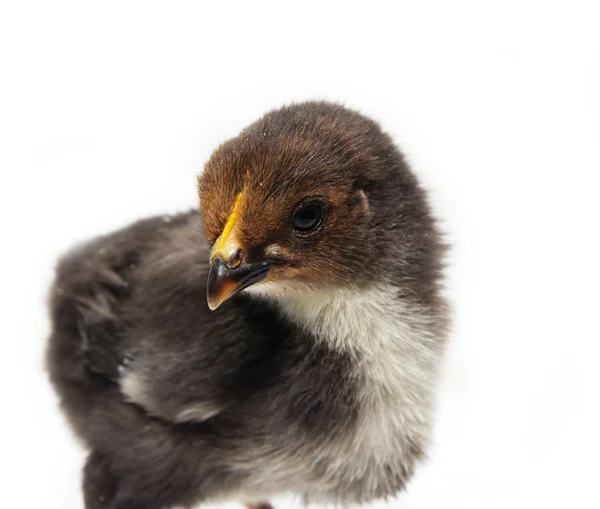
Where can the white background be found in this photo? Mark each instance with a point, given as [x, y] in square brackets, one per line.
[109, 109]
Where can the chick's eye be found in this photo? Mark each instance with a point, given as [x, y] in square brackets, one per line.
[308, 217]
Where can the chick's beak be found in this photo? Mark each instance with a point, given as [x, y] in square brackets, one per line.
[229, 273]
[224, 282]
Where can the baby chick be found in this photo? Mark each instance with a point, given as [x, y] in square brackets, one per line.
[313, 368]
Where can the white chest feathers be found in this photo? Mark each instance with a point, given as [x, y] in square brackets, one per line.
[396, 356]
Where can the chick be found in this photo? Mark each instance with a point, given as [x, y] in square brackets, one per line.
[312, 369]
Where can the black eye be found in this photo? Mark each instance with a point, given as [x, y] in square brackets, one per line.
[308, 217]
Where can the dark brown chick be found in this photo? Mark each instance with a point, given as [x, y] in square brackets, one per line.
[315, 374]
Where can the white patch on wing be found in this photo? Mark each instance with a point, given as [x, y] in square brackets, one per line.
[134, 388]
[198, 412]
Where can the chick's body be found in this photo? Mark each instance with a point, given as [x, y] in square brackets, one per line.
[318, 379]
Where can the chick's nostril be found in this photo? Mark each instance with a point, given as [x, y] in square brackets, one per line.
[236, 258]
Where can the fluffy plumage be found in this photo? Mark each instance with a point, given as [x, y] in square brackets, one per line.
[317, 379]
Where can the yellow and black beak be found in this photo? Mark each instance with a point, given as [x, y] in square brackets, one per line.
[224, 282]
[229, 273]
